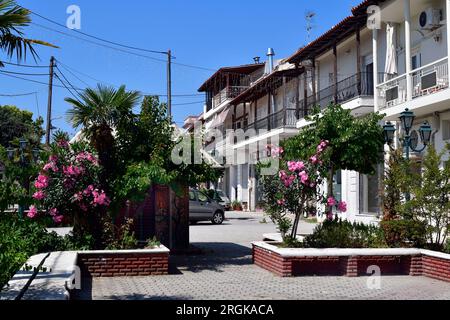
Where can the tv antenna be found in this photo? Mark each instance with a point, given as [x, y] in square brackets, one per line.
[309, 24]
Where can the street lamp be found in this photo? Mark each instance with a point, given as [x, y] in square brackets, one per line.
[407, 119]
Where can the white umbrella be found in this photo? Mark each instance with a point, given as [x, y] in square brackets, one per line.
[391, 52]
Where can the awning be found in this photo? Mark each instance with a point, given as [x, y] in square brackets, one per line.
[220, 119]
[391, 52]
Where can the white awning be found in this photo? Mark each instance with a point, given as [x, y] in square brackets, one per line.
[391, 52]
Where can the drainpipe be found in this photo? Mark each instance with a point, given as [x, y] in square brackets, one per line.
[270, 55]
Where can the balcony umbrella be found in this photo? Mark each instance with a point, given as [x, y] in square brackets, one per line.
[391, 52]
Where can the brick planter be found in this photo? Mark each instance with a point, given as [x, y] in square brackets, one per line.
[351, 262]
[124, 263]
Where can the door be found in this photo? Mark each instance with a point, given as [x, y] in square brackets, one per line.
[194, 206]
[368, 88]
[205, 208]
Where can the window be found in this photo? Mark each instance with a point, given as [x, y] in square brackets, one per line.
[369, 192]
[416, 61]
[202, 197]
[446, 129]
[192, 196]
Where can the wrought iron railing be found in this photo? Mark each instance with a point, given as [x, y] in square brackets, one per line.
[227, 94]
[425, 80]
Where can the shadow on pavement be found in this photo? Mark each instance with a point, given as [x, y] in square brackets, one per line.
[213, 257]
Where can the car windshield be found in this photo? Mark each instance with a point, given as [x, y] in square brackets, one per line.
[221, 193]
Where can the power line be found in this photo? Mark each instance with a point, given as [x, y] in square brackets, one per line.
[187, 103]
[65, 78]
[23, 65]
[65, 66]
[24, 74]
[60, 80]
[30, 80]
[122, 50]
[97, 38]
[96, 43]
[18, 94]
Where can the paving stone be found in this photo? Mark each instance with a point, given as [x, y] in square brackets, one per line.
[226, 272]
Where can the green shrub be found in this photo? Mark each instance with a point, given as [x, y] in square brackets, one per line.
[20, 239]
[404, 233]
[340, 233]
[447, 246]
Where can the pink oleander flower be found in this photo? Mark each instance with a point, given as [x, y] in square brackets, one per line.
[40, 195]
[342, 206]
[51, 166]
[331, 202]
[314, 159]
[78, 196]
[288, 181]
[277, 151]
[86, 156]
[53, 158]
[322, 146]
[62, 143]
[73, 171]
[304, 177]
[32, 213]
[41, 182]
[58, 219]
[100, 198]
[296, 165]
[282, 174]
[88, 191]
[312, 185]
[281, 202]
[53, 212]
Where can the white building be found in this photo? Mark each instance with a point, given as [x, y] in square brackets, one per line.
[408, 70]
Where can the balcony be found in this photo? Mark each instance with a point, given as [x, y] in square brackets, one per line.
[226, 95]
[358, 85]
[281, 119]
[425, 81]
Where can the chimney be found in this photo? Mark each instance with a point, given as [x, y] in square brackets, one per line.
[270, 55]
[256, 59]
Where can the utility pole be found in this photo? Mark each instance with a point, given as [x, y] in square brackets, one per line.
[169, 83]
[49, 106]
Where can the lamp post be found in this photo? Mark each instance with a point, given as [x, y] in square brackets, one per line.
[23, 161]
[407, 119]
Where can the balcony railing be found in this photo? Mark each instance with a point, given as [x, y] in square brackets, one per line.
[227, 94]
[424, 81]
[281, 119]
[347, 89]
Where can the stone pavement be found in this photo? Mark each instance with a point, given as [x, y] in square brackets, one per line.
[225, 271]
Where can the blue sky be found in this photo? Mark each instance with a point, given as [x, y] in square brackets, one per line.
[205, 33]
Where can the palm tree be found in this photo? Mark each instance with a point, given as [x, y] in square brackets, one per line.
[99, 112]
[12, 18]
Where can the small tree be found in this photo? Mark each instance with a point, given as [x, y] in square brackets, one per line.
[430, 197]
[355, 144]
[294, 191]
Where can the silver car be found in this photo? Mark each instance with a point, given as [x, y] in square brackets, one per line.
[202, 208]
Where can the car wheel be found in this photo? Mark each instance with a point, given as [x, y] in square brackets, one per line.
[218, 218]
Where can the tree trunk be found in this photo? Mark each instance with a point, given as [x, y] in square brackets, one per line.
[330, 192]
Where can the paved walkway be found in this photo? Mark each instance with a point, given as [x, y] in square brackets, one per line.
[225, 271]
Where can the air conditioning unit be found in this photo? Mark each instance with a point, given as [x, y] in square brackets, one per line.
[430, 19]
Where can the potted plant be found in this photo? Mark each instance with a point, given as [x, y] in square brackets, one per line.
[236, 206]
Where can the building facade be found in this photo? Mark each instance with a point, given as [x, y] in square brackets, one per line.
[388, 55]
